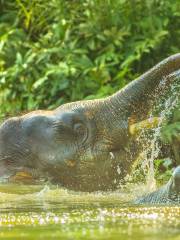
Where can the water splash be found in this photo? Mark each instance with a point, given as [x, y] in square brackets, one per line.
[151, 141]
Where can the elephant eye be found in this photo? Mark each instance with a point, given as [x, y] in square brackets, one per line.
[79, 129]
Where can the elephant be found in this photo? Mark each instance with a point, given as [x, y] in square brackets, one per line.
[84, 145]
[169, 193]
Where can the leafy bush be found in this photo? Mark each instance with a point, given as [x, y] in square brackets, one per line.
[171, 133]
[56, 51]
[172, 130]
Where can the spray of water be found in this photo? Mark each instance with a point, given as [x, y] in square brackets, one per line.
[151, 141]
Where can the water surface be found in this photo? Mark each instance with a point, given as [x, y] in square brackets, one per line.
[60, 214]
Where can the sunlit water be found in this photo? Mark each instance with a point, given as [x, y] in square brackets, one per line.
[60, 214]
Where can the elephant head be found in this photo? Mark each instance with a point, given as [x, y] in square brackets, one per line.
[84, 145]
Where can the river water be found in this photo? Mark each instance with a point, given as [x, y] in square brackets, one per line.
[59, 214]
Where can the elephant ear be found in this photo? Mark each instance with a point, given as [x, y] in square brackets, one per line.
[137, 95]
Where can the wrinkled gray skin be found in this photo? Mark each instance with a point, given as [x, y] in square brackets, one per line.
[169, 193]
[83, 145]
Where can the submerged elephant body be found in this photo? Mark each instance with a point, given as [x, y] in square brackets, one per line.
[169, 193]
[84, 145]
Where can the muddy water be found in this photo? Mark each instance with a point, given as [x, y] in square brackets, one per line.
[59, 214]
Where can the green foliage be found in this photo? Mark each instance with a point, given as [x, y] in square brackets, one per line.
[171, 133]
[163, 170]
[172, 130]
[56, 51]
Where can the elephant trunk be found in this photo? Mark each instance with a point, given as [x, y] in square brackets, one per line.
[135, 97]
[133, 102]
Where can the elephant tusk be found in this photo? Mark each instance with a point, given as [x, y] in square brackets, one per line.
[111, 155]
[145, 124]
